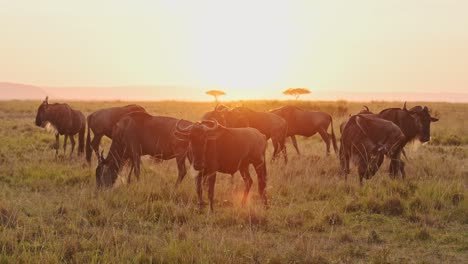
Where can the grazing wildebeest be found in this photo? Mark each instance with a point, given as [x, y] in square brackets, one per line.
[271, 125]
[65, 121]
[414, 123]
[366, 139]
[216, 148]
[137, 134]
[101, 123]
[307, 123]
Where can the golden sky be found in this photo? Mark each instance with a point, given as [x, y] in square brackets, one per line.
[248, 48]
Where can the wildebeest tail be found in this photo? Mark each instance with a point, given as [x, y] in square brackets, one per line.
[89, 151]
[333, 137]
[81, 139]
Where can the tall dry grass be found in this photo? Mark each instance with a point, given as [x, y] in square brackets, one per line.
[50, 210]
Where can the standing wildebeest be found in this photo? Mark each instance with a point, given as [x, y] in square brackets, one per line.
[307, 123]
[366, 139]
[215, 148]
[414, 123]
[138, 134]
[65, 121]
[271, 125]
[101, 123]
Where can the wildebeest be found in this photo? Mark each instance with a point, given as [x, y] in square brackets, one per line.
[366, 139]
[216, 148]
[414, 123]
[66, 121]
[137, 134]
[101, 123]
[271, 125]
[307, 123]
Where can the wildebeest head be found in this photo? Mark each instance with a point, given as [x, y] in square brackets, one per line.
[423, 121]
[105, 174]
[41, 119]
[218, 114]
[198, 135]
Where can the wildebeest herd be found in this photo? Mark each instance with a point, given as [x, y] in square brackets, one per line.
[230, 140]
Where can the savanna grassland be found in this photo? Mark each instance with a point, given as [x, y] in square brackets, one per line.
[50, 210]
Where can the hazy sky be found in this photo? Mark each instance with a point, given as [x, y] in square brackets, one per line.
[246, 47]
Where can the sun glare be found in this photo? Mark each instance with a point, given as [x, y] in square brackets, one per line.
[237, 48]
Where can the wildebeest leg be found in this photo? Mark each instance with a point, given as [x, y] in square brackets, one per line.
[392, 169]
[396, 166]
[344, 160]
[136, 164]
[294, 142]
[282, 144]
[362, 170]
[261, 171]
[95, 143]
[211, 184]
[65, 141]
[326, 138]
[57, 144]
[72, 140]
[232, 184]
[402, 169]
[275, 148]
[199, 185]
[244, 170]
[129, 177]
[182, 170]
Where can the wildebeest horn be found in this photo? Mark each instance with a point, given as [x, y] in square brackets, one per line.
[366, 108]
[214, 124]
[46, 101]
[404, 106]
[183, 131]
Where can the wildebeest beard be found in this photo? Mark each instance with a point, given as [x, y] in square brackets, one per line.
[49, 127]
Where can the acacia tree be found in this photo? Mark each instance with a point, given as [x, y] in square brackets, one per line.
[215, 93]
[296, 92]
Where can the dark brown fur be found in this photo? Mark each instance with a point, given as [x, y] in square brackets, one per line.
[307, 123]
[366, 139]
[216, 148]
[101, 124]
[414, 123]
[270, 125]
[66, 121]
[138, 134]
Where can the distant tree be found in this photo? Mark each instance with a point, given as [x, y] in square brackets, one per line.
[215, 93]
[296, 92]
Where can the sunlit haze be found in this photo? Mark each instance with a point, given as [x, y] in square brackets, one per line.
[250, 49]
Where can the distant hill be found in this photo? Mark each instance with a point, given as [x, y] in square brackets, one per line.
[9, 91]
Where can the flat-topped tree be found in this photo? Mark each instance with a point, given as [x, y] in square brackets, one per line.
[296, 92]
[215, 93]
